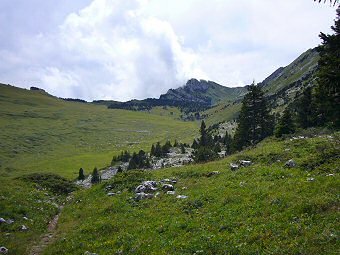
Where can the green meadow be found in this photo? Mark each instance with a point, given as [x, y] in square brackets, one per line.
[265, 208]
[40, 133]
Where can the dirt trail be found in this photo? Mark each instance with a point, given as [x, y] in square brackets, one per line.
[48, 237]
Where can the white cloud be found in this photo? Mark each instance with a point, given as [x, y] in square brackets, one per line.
[124, 49]
[116, 52]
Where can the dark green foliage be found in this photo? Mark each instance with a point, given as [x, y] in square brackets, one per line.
[124, 157]
[158, 150]
[334, 2]
[205, 139]
[328, 89]
[227, 141]
[176, 144]
[95, 176]
[205, 149]
[194, 144]
[52, 182]
[306, 109]
[285, 124]
[217, 148]
[81, 175]
[204, 154]
[254, 123]
[166, 148]
[182, 148]
[152, 151]
[139, 161]
[119, 170]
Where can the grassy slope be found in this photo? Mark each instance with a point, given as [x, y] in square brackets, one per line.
[222, 112]
[305, 63]
[294, 71]
[261, 209]
[40, 133]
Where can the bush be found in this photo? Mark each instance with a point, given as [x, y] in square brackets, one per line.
[52, 182]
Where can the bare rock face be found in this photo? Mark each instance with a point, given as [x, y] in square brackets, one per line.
[290, 163]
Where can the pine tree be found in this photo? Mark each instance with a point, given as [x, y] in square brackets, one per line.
[182, 148]
[194, 144]
[254, 123]
[306, 109]
[158, 150]
[81, 175]
[204, 139]
[227, 141]
[95, 176]
[328, 89]
[152, 152]
[285, 124]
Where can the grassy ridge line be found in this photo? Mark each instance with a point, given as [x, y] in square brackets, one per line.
[40, 133]
[261, 209]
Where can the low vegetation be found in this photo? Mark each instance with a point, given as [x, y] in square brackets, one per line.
[263, 208]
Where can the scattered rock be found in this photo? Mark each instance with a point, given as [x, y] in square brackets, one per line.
[25, 218]
[9, 221]
[171, 192]
[184, 188]
[150, 186]
[108, 187]
[242, 184]
[165, 180]
[290, 163]
[212, 173]
[327, 175]
[3, 250]
[167, 187]
[182, 197]
[310, 179]
[23, 228]
[111, 194]
[2, 220]
[140, 189]
[142, 195]
[89, 253]
[245, 163]
[234, 167]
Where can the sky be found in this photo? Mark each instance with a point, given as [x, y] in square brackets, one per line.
[126, 49]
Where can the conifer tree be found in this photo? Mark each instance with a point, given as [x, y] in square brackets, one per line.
[306, 109]
[158, 150]
[152, 152]
[182, 148]
[285, 124]
[254, 123]
[81, 175]
[194, 144]
[227, 141]
[95, 176]
[328, 89]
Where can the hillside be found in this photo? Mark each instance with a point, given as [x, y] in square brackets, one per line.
[207, 92]
[40, 133]
[265, 208]
[281, 87]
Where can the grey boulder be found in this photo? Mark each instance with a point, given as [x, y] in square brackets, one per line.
[290, 163]
[234, 166]
[167, 187]
[3, 250]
